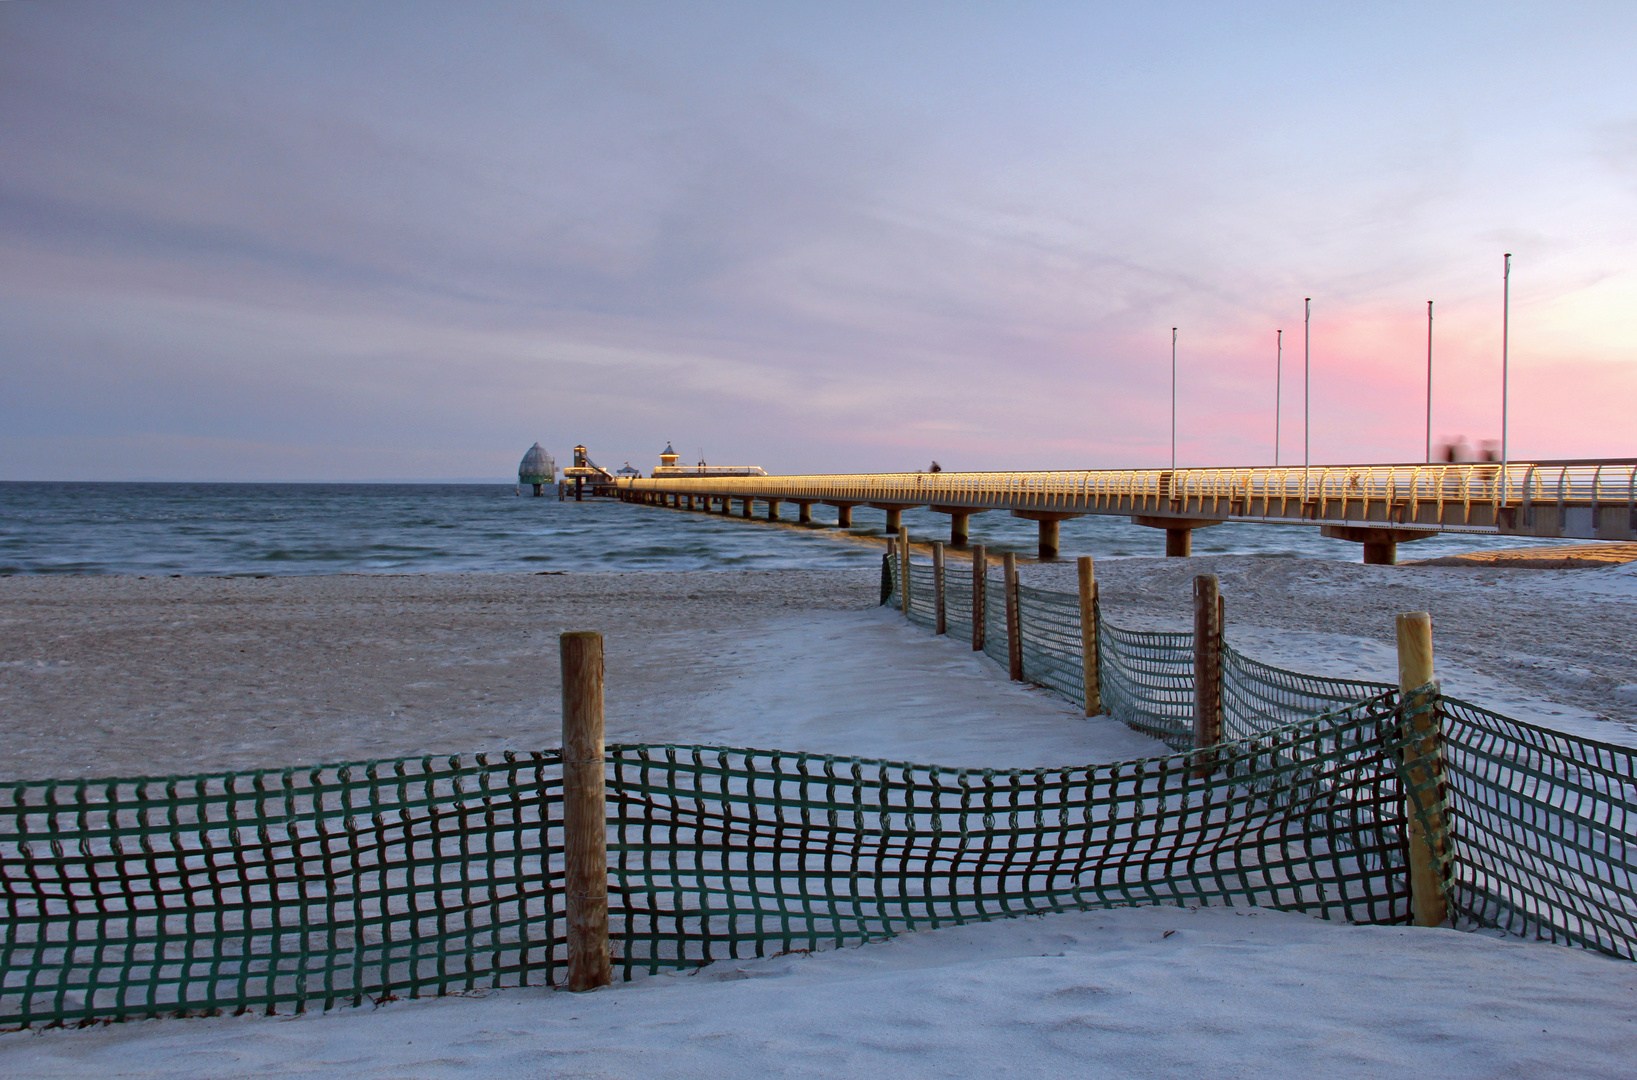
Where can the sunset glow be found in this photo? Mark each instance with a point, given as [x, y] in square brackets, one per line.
[407, 240]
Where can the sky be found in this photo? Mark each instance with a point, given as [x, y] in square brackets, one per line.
[353, 240]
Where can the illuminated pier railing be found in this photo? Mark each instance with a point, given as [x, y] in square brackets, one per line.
[1380, 504]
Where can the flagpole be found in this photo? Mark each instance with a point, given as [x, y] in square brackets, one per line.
[1307, 383]
[1506, 326]
[1429, 382]
[1278, 384]
[1173, 399]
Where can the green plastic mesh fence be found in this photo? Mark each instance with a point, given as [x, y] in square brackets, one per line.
[314, 887]
[324, 886]
[1147, 681]
[922, 609]
[729, 853]
[1049, 625]
[1146, 677]
[958, 602]
[1544, 830]
[994, 619]
[1544, 824]
[288, 888]
[1257, 696]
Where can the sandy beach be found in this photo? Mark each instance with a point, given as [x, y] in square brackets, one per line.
[121, 675]
[125, 676]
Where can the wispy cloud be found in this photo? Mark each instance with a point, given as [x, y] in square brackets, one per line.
[855, 239]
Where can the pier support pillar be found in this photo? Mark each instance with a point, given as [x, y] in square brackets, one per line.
[1048, 539]
[844, 513]
[1380, 545]
[959, 519]
[1179, 531]
[1049, 521]
[804, 513]
[895, 514]
[749, 507]
[579, 489]
[772, 509]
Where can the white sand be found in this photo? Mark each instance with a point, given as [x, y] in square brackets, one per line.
[1125, 994]
[116, 675]
[119, 676]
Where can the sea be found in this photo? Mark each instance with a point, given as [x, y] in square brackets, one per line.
[215, 529]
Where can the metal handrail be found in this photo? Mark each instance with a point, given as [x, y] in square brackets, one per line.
[1471, 497]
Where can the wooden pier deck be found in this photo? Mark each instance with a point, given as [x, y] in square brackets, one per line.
[1378, 506]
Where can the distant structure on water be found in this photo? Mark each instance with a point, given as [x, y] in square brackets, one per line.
[668, 467]
[537, 470]
[584, 471]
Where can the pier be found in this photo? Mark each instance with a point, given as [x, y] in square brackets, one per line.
[1375, 506]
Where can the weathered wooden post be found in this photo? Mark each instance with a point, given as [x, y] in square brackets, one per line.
[980, 580]
[1207, 672]
[585, 821]
[903, 568]
[1088, 636]
[1423, 767]
[1014, 625]
[938, 623]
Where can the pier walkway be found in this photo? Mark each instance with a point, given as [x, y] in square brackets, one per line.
[1378, 506]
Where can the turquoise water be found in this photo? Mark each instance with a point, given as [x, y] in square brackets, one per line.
[425, 528]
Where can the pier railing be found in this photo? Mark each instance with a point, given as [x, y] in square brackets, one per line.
[1584, 499]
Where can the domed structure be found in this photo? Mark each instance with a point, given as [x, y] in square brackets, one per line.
[537, 469]
[668, 458]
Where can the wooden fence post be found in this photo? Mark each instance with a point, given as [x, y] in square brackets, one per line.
[585, 821]
[938, 624]
[1207, 672]
[903, 567]
[1014, 628]
[1423, 764]
[980, 582]
[1088, 637]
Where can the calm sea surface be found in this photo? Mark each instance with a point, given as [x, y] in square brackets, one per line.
[52, 528]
